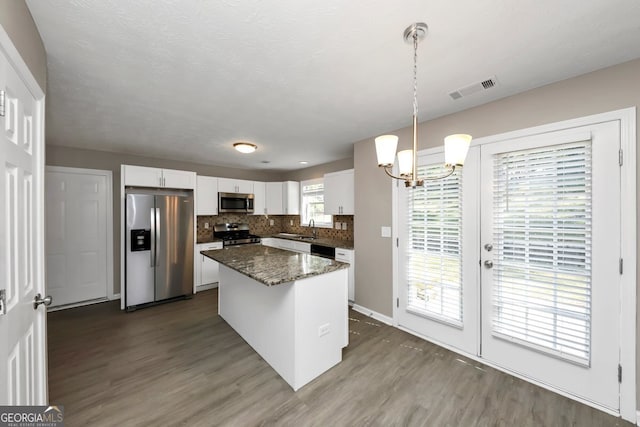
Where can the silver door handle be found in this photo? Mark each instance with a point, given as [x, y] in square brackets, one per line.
[152, 235]
[488, 247]
[39, 300]
[157, 235]
[488, 263]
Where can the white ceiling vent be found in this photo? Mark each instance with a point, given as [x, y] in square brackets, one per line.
[475, 87]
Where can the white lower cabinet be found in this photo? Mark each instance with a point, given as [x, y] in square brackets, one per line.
[348, 256]
[290, 245]
[206, 269]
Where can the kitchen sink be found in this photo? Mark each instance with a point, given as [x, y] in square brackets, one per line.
[296, 236]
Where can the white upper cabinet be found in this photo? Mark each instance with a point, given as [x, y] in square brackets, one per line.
[283, 198]
[291, 197]
[274, 198]
[259, 198]
[339, 193]
[154, 177]
[178, 179]
[226, 185]
[207, 195]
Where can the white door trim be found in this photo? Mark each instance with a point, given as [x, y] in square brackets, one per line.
[628, 309]
[109, 189]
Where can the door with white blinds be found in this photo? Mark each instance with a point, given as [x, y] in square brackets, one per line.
[438, 291]
[550, 236]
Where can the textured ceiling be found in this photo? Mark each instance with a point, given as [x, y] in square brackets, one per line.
[301, 79]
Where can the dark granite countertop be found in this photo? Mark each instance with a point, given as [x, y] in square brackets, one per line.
[272, 266]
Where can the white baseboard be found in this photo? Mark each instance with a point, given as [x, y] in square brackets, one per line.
[114, 297]
[638, 418]
[373, 314]
[206, 287]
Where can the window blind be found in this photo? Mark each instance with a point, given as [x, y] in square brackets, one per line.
[434, 253]
[542, 249]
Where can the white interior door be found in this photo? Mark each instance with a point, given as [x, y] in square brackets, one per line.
[551, 281]
[438, 269]
[22, 328]
[78, 243]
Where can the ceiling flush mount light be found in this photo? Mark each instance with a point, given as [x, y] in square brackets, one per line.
[303, 162]
[245, 147]
[455, 146]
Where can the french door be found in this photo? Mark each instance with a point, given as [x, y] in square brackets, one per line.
[550, 283]
[438, 244]
[526, 274]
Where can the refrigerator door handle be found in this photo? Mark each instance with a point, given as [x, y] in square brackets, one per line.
[152, 253]
[157, 236]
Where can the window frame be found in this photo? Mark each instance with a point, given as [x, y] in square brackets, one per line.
[304, 220]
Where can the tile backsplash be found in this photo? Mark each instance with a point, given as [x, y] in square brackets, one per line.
[261, 225]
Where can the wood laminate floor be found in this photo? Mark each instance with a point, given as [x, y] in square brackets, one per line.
[181, 364]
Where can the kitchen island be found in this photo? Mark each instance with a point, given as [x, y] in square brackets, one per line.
[290, 307]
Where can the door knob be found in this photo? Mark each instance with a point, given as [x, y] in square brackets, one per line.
[488, 263]
[39, 300]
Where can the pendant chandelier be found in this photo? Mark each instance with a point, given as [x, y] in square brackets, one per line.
[455, 146]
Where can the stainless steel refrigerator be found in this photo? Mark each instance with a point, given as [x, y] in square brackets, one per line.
[159, 246]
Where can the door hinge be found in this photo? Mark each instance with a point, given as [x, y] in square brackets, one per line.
[398, 302]
[621, 265]
[620, 157]
[2, 103]
[397, 242]
[620, 374]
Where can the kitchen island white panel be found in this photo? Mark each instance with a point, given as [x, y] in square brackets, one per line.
[298, 327]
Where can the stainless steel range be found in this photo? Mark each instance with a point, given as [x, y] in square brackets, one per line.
[234, 234]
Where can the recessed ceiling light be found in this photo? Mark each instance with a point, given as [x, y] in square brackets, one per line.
[245, 147]
[304, 162]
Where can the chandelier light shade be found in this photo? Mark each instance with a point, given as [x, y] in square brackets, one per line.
[455, 146]
[405, 165]
[245, 147]
[386, 149]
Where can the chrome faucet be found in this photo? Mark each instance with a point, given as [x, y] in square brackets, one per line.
[314, 231]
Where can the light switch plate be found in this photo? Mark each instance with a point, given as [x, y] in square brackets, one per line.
[206, 225]
[344, 225]
[271, 222]
[385, 231]
[337, 226]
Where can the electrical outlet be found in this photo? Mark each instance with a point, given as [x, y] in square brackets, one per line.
[290, 222]
[324, 329]
[206, 225]
[344, 225]
[271, 222]
[337, 226]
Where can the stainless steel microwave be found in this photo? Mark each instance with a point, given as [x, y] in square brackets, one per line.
[235, 203]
